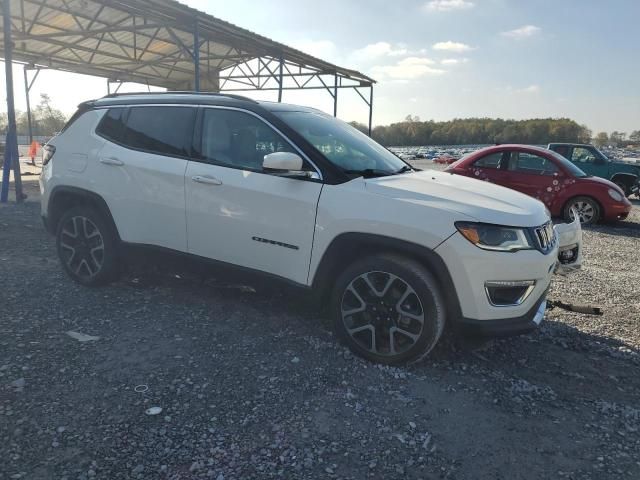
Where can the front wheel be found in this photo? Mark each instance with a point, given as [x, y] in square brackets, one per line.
[388, 309]
[586, 208]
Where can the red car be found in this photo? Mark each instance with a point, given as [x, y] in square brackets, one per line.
[549, 177]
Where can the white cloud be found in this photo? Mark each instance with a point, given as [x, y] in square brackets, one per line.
[530, 89]
[407, 69]
[453, 61]
[447, 5]
[450, 46]
[522, 32]
[379, 49]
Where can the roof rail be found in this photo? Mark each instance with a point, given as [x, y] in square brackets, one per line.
[181, 92]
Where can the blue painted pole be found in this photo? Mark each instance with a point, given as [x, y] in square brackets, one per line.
[11, 158]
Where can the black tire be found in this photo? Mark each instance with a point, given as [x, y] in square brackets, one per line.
[91, 257]
[382, 320]
[588, 210]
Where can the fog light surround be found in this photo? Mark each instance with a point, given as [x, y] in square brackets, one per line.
[568, 254]
[501, 293]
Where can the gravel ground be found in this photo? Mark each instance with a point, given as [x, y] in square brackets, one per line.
[252, 384]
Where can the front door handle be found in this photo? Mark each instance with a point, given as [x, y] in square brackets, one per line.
[111, 161]
[206, 179]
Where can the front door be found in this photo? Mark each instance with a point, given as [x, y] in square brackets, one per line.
[240, 214]
[534, 175]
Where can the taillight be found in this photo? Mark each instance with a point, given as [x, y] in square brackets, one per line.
[49, 150]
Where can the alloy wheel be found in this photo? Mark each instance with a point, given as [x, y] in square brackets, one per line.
[585, 211]
[82, 247]
[382, 313]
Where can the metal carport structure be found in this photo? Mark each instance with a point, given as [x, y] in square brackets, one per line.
[161, 43]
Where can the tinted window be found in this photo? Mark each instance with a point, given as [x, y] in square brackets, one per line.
[161, 130]
[111, 126]
[492, 160]
[238, 139]
[533, 164]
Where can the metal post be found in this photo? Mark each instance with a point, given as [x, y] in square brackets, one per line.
[335, 96]
[11, 157]
[27, 88]
[196, 57]
[108, 87]
[370, 108]
[280, 79]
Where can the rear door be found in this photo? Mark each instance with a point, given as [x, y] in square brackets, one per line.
[141, 172]
[238, 213]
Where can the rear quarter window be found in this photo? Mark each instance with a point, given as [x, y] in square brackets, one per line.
[111, 126]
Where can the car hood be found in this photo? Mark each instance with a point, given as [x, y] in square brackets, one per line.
[482, 201]
[626, 167]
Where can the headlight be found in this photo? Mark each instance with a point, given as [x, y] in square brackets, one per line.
[617, 196]
[495, 237]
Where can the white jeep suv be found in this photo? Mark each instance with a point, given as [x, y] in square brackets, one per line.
[296, 194]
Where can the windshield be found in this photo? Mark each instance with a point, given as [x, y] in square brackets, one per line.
[604, 157]
[344, 145]
[569, 166]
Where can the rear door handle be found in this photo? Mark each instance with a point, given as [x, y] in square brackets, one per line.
[111, 161]
[206, 179]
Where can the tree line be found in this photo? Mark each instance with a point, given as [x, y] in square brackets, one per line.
[476, 131]
[46, 120]
[617, 139]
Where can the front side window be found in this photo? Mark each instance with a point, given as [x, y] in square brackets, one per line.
[341, 144]
[492, 160]
[523, 162]
[583, 155]
[238, 139]
[160, 130]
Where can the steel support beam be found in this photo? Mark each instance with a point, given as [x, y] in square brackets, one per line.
[11, 156]
[370, 109]
[280, 79]
[335, 96]
[26, 92]
[196, 57]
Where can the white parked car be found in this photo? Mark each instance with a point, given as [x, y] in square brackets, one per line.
[293, 193]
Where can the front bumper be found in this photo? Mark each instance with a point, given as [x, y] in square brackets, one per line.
[618, 210]
[570, 246]
[507, 326]
[471, 268]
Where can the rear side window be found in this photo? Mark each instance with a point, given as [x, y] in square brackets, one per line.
[161, 130]
[111, 126]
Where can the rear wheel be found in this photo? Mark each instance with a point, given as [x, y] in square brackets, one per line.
[388, 309]
[586, 208]
[86, 246]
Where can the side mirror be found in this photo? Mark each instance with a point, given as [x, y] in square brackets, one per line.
[283, 161]
[284, 164]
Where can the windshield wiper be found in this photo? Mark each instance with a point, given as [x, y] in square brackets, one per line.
[369, 172]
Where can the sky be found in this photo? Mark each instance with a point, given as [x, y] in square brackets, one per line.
[441, 59]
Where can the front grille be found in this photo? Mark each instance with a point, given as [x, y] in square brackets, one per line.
[545, 236]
